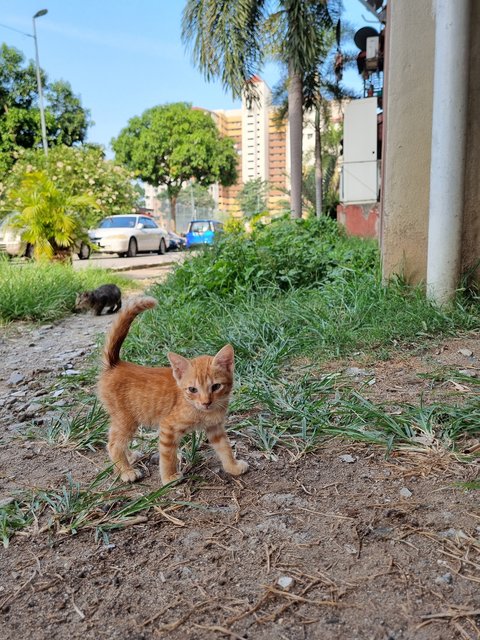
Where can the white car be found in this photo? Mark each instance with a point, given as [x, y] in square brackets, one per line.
[12, 244]
[128, 234]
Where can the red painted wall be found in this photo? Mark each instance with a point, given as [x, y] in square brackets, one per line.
[359, 219]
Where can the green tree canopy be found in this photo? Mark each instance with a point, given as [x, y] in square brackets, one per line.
[78, 171]
[172, 144]
[253, 197]
[192, 196]
[66, 120]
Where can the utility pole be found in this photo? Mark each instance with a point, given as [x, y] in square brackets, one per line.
[40, 13]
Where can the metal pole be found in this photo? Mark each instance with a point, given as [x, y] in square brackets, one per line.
[194, 213]
[39, 83]
[449, 130]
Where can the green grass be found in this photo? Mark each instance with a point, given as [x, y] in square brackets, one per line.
[71, 508]
[45, 291]
[84, 429]
[289, 298]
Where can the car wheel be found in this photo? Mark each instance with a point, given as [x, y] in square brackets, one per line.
[132, 248]
[122, 254]
[29, 251]
[162, 250]
[84, 252]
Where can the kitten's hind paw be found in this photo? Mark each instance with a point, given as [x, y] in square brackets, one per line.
[174, 478]
[240, 467]
[131, 475]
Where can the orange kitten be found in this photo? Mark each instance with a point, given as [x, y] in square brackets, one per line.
[193, 394]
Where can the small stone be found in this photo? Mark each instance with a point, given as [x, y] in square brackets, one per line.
[71, 372]
[15, 378]
[470, 373]
[447, 578]
[405, 493]
[16, 426]
[350, 549]
[18, 394]
[465, 352]
[453, 534]
[57, 393]
[285, 582]
[4, 502]
[348, 458]
[32, 409]
[355, 371]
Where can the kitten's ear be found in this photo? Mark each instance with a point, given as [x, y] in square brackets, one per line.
[224, 358]
[179, 365]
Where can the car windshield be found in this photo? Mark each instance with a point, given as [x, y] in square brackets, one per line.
[121, 221]
[199, 226]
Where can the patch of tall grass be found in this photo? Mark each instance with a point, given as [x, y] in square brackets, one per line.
[332, 319]
[45, 291]
[291, 296]
[285, 254]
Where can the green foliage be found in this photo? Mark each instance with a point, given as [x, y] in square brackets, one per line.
[231, 40]
[200, 196]
[78, 171]
[226, 39]
[66, 120]
[253, 196]
[278, 256]
[85, 429]
[14, 516]
[172, 144]
[48, 217]
[45, 291]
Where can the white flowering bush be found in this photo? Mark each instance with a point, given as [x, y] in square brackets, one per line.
[77, 171]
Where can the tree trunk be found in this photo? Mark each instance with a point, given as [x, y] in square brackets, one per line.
[62, 255]
[295, 119]
[318, 164]
[173, 211]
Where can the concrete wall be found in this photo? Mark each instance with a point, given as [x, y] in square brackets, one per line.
[408, 130]
[407, 138]
[471, 220]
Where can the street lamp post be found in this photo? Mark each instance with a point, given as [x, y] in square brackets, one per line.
[40, 13]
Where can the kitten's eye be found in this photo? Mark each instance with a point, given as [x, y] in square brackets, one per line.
[216, 386]
[193, 389]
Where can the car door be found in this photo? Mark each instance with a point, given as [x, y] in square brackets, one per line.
[151, 234]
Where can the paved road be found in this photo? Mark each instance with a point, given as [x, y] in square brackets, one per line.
[146, 265]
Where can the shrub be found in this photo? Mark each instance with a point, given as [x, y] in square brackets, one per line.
[279, 256]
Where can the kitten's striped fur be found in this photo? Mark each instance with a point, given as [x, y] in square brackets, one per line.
[192, 394]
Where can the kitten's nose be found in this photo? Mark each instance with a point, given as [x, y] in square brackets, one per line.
[206, 404]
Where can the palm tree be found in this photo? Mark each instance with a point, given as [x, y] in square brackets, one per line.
[230, 39]
[48, 218]
[321, 89]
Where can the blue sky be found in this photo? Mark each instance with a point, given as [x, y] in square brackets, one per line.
[123, 57]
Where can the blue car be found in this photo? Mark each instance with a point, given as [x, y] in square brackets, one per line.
[202, 232]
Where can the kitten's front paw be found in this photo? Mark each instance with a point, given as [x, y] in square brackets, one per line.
[241, 466]
[133, 456]
[131, 475]
[173, 478]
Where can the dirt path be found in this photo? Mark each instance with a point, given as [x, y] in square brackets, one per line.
[316, 546]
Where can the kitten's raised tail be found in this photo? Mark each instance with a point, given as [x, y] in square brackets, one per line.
[120, 328]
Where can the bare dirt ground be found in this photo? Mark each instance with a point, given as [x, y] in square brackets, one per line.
[380, 547]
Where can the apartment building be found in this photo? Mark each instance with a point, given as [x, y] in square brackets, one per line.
[261, 141]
